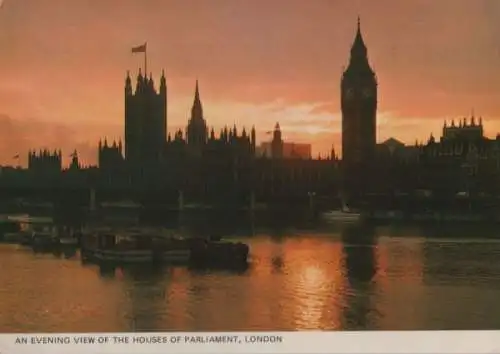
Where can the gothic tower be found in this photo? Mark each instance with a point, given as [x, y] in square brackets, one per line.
[145, 121]
[359, 115]
[197, 127]
[277, 143]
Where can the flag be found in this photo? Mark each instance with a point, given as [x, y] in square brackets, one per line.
[16, 156]
[140, 49]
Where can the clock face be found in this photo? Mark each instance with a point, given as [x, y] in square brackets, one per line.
[367, 92]
[349, 93]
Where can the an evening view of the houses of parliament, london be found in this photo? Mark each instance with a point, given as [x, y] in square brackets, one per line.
[228, 167]
[316, 165]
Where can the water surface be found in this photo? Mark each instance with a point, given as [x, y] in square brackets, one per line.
[353, 279]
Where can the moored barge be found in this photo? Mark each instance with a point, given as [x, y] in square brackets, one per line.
[133, 247]
[139, 247]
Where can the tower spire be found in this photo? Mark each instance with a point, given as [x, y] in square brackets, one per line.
[197, 110]
[359, 54]
[197, 92]
[163, 81]
[358, 47]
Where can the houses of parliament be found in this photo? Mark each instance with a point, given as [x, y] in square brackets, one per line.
[204, 164]
[210, 166]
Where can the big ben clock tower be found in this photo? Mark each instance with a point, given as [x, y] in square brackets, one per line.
[359, 117]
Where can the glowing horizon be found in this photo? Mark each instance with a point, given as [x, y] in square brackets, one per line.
[64, 65]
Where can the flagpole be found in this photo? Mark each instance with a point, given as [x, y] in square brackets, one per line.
[142, 49]
[146, 59]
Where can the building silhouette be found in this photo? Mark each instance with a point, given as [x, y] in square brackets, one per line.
[45, 163]
[463, 159]
[277, 143]
[200, 165]
[145, 121]
[110, 156]
[291, 150]
[472, 131]
[197, 131]
[205, 166]
[277, 148]
[359, 110]
[75, 162]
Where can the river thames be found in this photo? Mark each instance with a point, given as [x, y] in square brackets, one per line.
[367, 278]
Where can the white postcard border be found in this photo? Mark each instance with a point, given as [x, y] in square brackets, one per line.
[450, 342]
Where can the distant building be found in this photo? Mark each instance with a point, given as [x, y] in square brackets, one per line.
[277, 148]
[290, 150]
[110, 156]
[75, 162]
[296, 150]
[395, 149]
[461, 160]
[45, 163]
[464, 131]
[459, 140]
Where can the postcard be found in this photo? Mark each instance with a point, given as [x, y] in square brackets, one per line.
[278, 176]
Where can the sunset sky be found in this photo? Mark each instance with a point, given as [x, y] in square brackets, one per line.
[63, 64]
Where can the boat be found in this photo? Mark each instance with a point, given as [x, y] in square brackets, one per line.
[126, 204]
[8, 226]
[70, 238]
[44, 236]
[31, 229]
[19, 237]
[344, 214]
[68, 241]
[141, 246]
[134, 247]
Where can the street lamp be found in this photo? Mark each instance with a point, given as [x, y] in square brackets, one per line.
[311, 199]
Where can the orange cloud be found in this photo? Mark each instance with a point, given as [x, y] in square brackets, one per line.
[63, 64]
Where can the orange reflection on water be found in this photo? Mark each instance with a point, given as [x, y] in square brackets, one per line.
[315, 286]
[350, 281]
[261, 305]
[63, 287]
[176, 288]
[309, 308]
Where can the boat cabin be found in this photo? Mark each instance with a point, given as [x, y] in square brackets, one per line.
[8, 226]
[28, 224]
[131, 240]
